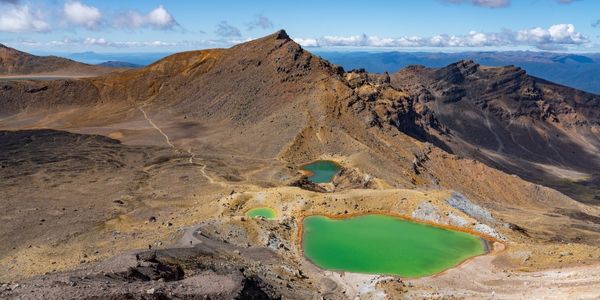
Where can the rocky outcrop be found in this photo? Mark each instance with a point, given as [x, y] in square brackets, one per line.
[384, 105]
[460, 202]
[507, 92]
[347, 178]
[504, 118]
[426, 211]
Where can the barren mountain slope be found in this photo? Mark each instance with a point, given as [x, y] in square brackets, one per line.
[243, 91]
[218, 132]
[15, 62]
[523, 125]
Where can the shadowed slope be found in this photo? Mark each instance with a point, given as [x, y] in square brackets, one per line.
[512, 121]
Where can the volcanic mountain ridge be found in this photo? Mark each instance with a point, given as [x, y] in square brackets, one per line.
[199, 137]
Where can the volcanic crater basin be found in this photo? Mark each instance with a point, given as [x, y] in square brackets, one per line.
[322, 171]
[262, 212]
[381, 244]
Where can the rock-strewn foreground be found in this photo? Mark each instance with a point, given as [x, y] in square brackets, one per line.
[135, 184]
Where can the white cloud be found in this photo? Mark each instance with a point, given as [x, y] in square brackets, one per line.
[96, 41]
[473, 39]
[308, 42]
[15, 17]
[225, 30]
[556, 36]
[491, 3]
[129, 44]
[80, 14]
[483, 3]
[87, 43]
[158, 18]
[20, 18]
[498, 3]
[261, 22]
[100, 42]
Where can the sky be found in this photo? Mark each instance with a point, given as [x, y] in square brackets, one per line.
[113, 26]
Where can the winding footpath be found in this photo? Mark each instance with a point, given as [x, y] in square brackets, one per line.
[189, 151]
[157, 128]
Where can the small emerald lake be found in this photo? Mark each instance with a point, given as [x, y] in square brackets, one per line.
[262, 212]
[380, 244]
[322, 171]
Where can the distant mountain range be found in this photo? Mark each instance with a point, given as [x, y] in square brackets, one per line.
[137, 59]
[119, 64]
[581, 71]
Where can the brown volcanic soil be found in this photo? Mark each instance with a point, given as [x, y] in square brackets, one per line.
[16, 63]
[206, 135]
[62, 184]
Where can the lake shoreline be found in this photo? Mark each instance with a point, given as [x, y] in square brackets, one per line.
[488, 242]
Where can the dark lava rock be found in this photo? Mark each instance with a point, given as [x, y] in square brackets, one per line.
[517, 228]
[254, 290]
[151, 268]
[306, 184]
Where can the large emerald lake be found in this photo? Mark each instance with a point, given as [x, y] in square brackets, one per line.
[381, 244]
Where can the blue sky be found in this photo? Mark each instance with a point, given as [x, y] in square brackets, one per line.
[170, 25]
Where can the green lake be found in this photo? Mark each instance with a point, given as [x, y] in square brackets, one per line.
[380, 244]
[322, 171]
[262, 212]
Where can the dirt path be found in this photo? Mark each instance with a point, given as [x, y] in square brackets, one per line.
[157, 128]
[189, 151]
[203, 169]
